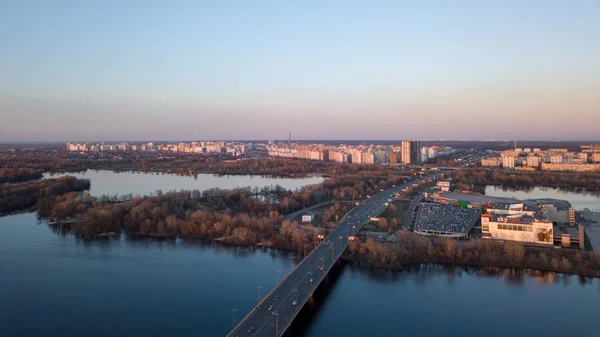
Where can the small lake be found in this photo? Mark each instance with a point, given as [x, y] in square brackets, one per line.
[56, 286]
[110, 183]
[579, 200]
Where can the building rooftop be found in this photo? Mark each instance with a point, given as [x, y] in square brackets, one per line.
[529, 204]
[475, 198]
[562, 205]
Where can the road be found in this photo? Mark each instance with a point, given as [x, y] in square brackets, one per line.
[409, 219]
[293, 215]
[274, 314]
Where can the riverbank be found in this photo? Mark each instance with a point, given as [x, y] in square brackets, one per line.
[25, 196]
[183, 287]
[488, 255]
[478, 178]
[412, 249]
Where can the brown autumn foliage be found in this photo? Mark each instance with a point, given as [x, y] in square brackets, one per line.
[17, 175]
[413, 249]
[240, 216]
[22, 196]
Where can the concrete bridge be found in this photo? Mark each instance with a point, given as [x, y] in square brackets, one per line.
[276, 312]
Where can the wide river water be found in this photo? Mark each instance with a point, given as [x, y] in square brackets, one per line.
[66, 287]
[110, 183]
[579, 200]
[52, 285]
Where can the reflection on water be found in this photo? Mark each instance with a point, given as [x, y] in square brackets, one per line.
[579, 200]
[66, 285]
[423, 273]
[110, 183]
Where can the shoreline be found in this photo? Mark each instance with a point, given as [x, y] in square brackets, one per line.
[404, 267]
[347, 257]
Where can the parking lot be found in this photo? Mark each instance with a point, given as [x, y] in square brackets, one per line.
[445, 220]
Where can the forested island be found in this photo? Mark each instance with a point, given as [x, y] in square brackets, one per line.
[238, 216]
[25, 196]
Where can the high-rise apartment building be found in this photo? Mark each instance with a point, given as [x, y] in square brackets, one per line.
[411, 152]
[508, 162]
[533, 161]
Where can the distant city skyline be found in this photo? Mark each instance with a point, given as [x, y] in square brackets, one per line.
[341, 70]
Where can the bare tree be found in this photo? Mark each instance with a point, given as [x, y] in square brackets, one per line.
[515, 251]
[450, 247]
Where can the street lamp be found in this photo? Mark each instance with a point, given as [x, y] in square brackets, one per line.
[332, 253]
[233, 319]
[307, 245]
[258, 294]
[276, 314]
[293, 257]
[278, 270]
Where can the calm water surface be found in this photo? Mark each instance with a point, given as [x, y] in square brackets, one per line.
[110, 183]
[579, 200]
[62, 286]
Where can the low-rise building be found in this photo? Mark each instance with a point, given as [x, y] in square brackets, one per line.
[308, 217]
[571, 167]
[517, 222]
[491, 162]
[443, 186]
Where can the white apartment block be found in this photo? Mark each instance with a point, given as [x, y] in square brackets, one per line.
[508, 162]
[556, 159]
[533, 161]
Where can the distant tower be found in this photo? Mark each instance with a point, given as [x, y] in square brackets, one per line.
[515, 144]
[290, 138]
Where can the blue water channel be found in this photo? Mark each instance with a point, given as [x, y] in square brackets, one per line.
[52, 285]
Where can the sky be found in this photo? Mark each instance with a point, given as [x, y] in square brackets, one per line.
[376, 70]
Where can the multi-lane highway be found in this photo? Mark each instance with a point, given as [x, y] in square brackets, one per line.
[274, 314]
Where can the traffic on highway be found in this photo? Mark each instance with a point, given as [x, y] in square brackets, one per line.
[274, 314]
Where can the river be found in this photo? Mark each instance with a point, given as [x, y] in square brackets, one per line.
[579, 200]
[63, 286]
[142, 183]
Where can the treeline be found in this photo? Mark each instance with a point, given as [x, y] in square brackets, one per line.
[479, 178]
[280, 167]
[45, 161]
[17, 175]
[59, 160]
[413, 249]
[241, 216]
[288, 167]
[22, 196]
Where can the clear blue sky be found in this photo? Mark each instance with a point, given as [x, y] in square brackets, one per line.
[131, 70]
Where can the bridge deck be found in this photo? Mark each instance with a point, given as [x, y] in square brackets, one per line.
[287, 299]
